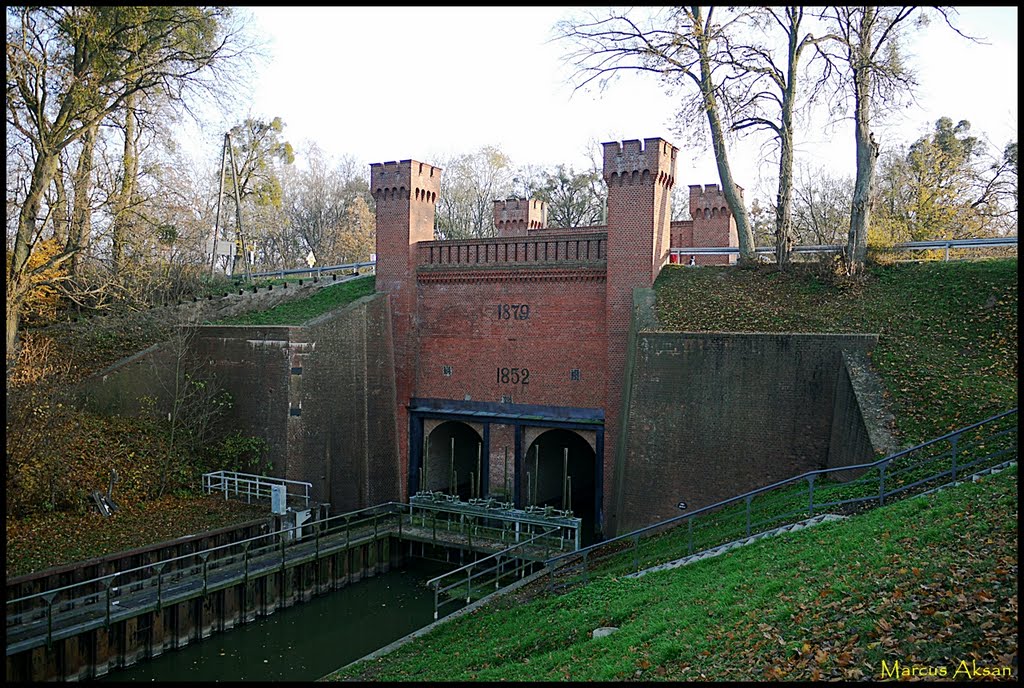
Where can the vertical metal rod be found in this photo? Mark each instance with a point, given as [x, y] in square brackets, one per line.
[536, 472]
[528, 491]
[568, 490]
[451, 469]
[881, 485]
[810, 490]
[49, 621]
[565, 474]
[748, 514]
[435, 601]
[953, 441]
[426, 457]
[479, 457]
[506, 474]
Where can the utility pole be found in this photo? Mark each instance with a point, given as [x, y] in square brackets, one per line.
[220, 199]
[238, 205]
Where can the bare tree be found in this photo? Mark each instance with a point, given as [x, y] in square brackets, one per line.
[687, 47]
[771, 100]
[864, 47]
[470, 184]
[68, 68]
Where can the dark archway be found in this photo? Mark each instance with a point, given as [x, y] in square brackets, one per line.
[545, 464]
[455, 447]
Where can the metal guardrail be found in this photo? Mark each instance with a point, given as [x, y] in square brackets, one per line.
[318, 271]
[971, 448]
[61, 612]
[837, 248]
[249, 485]
[690, 250]
[496, 565]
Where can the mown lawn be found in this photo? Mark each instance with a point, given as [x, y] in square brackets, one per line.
[298, 312]
[947, 348]
[929, 582]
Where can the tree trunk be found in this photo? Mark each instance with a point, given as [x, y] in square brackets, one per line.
[732, 197]
[18, 280]
[123, 201]
[867, 151]
[784, 200]
[61, 215]
[81, 214]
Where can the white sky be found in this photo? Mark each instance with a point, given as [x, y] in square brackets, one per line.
[390, 83]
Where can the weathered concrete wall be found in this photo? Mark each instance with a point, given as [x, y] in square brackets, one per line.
[321, 395]
[711, 416]
[861, 423]
[345, 436]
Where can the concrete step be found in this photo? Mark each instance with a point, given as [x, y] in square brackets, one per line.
[722, 549]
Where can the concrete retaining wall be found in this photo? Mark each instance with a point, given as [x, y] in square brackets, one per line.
[711, 416]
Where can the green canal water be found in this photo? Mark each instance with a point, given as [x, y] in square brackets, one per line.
[308, 640]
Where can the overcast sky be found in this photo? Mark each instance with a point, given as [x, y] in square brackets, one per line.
[387, 83]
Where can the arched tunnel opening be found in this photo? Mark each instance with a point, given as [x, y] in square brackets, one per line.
[453, 460]
[560, 471]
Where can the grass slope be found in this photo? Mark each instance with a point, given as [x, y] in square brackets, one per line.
[298, 312]
[929, 582]
[947, 348]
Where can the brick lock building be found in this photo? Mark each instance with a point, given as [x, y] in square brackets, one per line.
[509, 351]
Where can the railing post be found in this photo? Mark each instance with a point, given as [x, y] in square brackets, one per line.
[636, 551]
[953, 441]
[689, 535]
[49, 597]
[283, 567]
[469, 583]
[748, 513]
[108, 582]
[245, 562]
[435, 600]
[205, 556]
[159, 584]
[881, 483]
[586, 566]
[810, 490]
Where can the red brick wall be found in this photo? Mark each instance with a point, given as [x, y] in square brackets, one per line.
[516, 216]
[640, 179]
[445, 295]
[459, 327]
[405, 194]
[713, 223]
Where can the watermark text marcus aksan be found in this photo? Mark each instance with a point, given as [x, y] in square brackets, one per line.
[964, 669]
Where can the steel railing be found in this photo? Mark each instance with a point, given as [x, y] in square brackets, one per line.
[317, 271]
[496, 567]
[249, 486]
[63, 611]
[946, 244]
[976, 447]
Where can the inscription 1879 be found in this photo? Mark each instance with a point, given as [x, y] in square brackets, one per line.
[513, 311]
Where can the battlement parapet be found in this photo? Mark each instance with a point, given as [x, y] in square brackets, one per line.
[709, 200]
[516, 216]
[407, 179]
[565, 249]
[644, 161]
